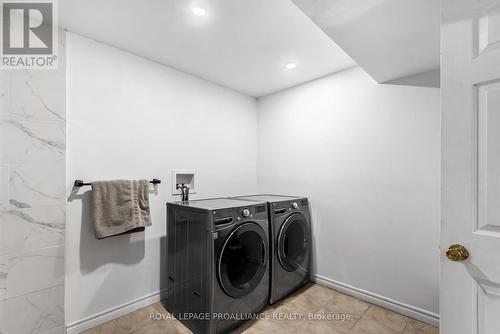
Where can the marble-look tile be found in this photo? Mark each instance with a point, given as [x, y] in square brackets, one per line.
[23, 230]
[4, 187]
[36, 270]
[56, 330]
[37, 185]
[32, 99]
[29, 142]
[34, 313]
[32, 197]
[4, 96]
[3, 278]
[417, 327]
[54, 75]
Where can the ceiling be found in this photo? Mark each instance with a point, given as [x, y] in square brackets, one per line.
[241, 44]
[395, 41]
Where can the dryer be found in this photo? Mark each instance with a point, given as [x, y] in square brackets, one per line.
[290, 242]
[217, 262]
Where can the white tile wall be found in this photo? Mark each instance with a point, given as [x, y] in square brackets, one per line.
[34, 313]
[4, 186]
[22, 230]
[35, 270]
[4, 96]
[36, 185]
[32, 200]
[3, 278]
[32, 142]
[36, 99]
[56, 330]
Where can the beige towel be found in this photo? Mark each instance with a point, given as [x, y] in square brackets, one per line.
[120, 206]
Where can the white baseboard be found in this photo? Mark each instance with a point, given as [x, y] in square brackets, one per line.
[112, 313]
[390, 304]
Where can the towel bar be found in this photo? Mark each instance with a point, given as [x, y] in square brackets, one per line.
[80, 183]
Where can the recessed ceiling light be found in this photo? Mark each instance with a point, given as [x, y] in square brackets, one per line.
[290, 66]
[198, 11]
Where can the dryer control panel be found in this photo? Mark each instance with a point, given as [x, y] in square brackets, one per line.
[284, 207]
[234, 215]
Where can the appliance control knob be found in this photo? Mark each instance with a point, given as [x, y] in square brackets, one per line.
[295, 205]
[245, 213]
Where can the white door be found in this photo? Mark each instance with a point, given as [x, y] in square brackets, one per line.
[470, 88]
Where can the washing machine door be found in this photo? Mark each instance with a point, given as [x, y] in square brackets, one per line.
[243, 260]
[293, 242]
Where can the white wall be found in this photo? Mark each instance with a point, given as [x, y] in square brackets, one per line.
[132, 118]
[368, 157]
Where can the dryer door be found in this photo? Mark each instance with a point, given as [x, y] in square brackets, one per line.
[293, 242]
[243, 260]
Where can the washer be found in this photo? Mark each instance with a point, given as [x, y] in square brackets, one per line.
[290, 236]
[217, 262]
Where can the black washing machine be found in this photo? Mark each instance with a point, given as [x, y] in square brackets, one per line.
[290, 243]
[217, 262]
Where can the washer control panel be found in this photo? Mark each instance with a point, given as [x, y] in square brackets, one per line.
[245, 213]
[234, 215]
[295, 205]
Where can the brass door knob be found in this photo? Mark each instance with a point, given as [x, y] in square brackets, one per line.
[457, 253]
